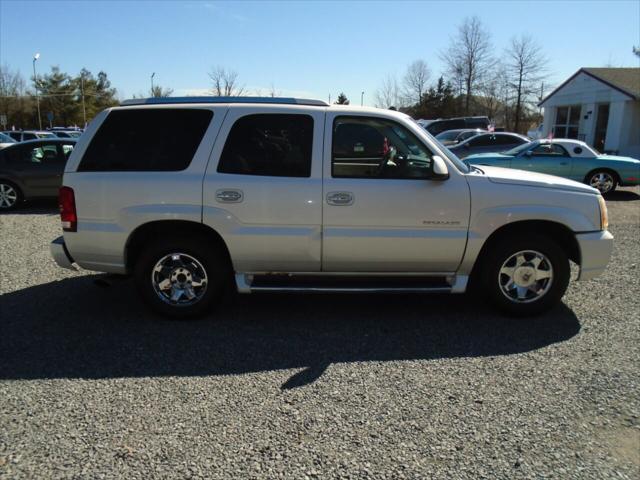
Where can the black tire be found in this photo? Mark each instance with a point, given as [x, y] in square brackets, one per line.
[590, 178]
[211, 258]
[550, 293]
[5, 186]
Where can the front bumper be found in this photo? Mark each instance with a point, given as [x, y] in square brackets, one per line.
[61, 255]
[595, 252]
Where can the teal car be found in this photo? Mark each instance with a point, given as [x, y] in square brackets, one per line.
[567, 158]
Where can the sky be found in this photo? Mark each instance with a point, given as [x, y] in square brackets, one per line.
[304, 49]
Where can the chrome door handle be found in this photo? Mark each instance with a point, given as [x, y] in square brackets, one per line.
[229, 196]
[340, 198]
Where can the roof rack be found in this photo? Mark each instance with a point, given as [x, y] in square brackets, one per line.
[271, 100]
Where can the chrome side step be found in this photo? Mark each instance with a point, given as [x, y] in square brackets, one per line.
[340, 283]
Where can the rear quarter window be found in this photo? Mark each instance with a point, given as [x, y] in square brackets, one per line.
[146, 140]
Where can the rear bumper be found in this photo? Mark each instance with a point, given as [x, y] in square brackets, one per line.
[61, 255]
[595, 252]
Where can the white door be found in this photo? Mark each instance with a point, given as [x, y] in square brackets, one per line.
[263, 188]
[380, 212]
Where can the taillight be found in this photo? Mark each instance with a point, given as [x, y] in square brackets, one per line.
[67, 204]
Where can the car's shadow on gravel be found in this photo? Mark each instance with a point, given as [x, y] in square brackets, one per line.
[75, 329]
[621, 196]
[35, 207]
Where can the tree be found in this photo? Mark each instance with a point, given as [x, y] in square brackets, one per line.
[58, 96]
[525, 66]
[225, 83]
[468, 58]
[19, 109]
[415, 81]
[157, 92]
[342, 99]
[438, 102]
[388, 95]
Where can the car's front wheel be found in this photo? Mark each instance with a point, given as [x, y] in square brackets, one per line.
[525, 275]
[182, 277]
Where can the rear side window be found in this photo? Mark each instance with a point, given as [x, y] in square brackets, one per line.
[270, 145]
[151, 140]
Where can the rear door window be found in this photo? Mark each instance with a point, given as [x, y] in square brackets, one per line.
[276, 145]
[146, 140]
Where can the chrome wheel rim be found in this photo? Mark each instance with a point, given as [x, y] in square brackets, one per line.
[526, 276]
[8, 196]
[603, 181]
[179, 279]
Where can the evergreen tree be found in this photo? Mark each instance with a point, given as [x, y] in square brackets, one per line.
[342, 99]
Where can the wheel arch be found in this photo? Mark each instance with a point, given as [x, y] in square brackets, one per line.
[610, 170]
[560, 233]
[154, 229]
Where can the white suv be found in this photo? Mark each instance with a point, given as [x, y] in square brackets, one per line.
[191, 195]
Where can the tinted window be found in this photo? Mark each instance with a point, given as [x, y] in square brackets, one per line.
[483, 141]
[478, 123]
[28, 136]
[365, 147]
[269, 144]
[146, 140]
[443, 125]
[508, 140]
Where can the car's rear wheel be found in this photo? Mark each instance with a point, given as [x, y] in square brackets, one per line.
[525, 275]
[10, 195]
[603, 180]
[182, 277]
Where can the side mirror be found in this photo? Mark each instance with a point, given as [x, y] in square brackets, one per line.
[439, 170]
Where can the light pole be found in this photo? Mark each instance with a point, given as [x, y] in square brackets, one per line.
[362, 99]
[84, 110]
[152, 75]
[35, 82]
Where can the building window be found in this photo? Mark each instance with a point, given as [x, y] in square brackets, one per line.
[567, 122]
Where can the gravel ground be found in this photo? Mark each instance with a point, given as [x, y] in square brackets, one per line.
[93, 386]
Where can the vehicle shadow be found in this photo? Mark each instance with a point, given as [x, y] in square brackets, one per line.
[74, 329]
[621, 196]
[35, 207]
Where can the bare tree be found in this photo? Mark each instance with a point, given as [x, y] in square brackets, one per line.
[388, 95]
[492, 91]
[468, 57]
[225, 83]
[415, 81]
[158, 91]
[525, 66]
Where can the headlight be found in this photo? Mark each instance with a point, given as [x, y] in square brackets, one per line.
[604, 215]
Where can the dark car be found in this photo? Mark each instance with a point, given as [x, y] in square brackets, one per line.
[32, 169]
[451, 137]
[438, 126]
[490, 142]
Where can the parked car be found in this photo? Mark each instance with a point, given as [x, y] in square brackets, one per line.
[193, 194]
[24, 135]
[536, 133]
[488, 143]
[6, 140]
[452, 137]
[568, 158]
[441, 125]
[32, 169]
[63, 132]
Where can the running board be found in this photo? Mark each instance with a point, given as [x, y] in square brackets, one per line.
[340, 283]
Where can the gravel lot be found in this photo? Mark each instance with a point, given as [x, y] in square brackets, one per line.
[93, 386]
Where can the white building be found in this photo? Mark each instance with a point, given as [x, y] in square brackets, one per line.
[600, 106]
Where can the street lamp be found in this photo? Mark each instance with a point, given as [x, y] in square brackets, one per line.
[152, 75]
[35, 82]
[362, 99]
[84, 110]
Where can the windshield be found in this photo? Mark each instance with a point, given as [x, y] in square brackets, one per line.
[6, 139]
[448, 135]
[519, 149]
[45, 135]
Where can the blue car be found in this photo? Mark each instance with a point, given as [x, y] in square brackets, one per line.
[567, 158]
